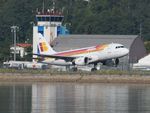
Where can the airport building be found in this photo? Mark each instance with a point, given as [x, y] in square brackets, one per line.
[20, 49]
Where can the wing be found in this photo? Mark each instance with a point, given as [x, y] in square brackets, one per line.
[66, 58]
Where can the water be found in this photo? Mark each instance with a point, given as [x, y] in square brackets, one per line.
[74, 98]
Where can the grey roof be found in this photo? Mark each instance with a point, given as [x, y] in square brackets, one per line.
[68, 42]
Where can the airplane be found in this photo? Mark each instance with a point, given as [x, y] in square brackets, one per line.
[142, 64]
[82, 56]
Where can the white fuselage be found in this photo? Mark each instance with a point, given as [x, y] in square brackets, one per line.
[111, 51]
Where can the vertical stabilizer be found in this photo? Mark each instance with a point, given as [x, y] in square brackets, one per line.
[44, 47]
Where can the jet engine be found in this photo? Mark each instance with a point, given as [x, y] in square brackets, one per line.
[85, 60]
[81, 61]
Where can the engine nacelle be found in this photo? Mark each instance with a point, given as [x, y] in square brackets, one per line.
[81, 61]
[85, 60]
[93, 58]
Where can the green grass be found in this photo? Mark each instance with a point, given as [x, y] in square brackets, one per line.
[55, 72]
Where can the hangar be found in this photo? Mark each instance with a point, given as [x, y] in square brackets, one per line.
[133, 42]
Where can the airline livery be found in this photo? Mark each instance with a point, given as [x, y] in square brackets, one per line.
[82, 56]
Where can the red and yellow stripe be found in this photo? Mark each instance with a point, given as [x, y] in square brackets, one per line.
[83, 51]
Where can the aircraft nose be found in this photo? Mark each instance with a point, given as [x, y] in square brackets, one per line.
[126, 51]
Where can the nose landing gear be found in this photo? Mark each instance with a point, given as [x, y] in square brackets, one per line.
[116, 62]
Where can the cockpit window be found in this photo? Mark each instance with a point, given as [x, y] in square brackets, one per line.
[119, 47]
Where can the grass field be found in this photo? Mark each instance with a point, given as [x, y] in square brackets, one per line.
[103, 76]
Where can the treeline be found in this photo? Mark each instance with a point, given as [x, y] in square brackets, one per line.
[81, 17]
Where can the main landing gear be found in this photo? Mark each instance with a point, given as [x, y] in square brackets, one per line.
[94, 68]
[74, 68]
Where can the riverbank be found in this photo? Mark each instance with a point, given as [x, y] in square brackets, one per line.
[79, 78]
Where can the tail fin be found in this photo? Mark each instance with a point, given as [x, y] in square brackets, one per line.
[44, 47]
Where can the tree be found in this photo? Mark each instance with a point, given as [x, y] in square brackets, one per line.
[93, 17]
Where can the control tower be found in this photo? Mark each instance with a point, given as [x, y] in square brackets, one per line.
[49, 24]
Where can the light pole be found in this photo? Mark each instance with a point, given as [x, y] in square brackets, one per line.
[14, 30]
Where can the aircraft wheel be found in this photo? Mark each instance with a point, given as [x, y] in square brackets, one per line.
[93, 69]
[74, 69]
[116, 62]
